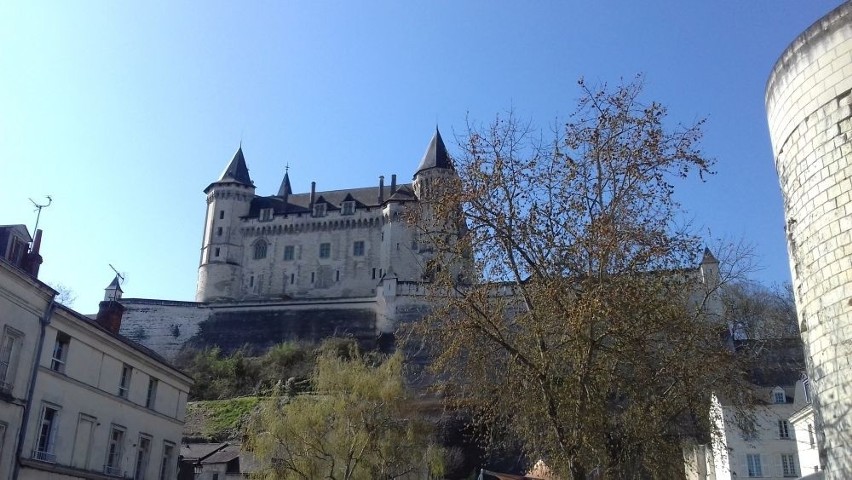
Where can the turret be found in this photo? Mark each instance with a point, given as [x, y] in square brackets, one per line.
[228, 199]
[113, 291]
[434, 165]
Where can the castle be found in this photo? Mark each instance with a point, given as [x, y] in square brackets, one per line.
[300, 266]
[330, 244]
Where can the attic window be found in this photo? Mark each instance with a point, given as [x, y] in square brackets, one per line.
[778, 396]
[266, 215]
[348, 208]
[319, 210]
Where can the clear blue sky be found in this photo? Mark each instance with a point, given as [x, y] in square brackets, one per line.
[124, 112]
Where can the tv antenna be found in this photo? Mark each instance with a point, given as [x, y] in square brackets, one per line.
[38, 207]
[118, 275]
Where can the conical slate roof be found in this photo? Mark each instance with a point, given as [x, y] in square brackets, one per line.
[114, 285]
[436, 155]
[237, 171]
[285, 189]
[708, 256]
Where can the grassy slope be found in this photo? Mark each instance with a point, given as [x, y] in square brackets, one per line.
[217, 420]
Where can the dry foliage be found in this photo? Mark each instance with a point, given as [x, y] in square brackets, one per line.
[572, 315]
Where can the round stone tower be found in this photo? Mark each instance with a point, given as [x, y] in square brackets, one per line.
[809, 107]
[228, 199]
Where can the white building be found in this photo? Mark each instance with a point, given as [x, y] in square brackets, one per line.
[804, 423]
[92, 403]
[769, 450]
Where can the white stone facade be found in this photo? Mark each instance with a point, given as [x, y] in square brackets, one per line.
[76, 399]
[326, 244]
[809, 108]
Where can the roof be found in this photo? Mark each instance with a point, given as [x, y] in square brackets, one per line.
[436, 155]
[237, 171]
[115, 284]
[366, 197]
[285, 188]
[708, 257]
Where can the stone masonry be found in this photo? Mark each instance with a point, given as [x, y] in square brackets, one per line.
[809, 108]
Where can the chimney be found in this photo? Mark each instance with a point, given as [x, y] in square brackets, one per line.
[313, 193]
[393, 184]
[381, 189]
[109, 316]
[34, 260]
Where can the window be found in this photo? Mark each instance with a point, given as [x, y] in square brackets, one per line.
[337, 276]
[313, 276]
[319, 210]
[265, 214]
[374, 274]
[143, 454]
[358, 248]
[788, 465]
[124, 383]
[325, 250]
[348, 208]
[46, 441]
[10, 350]
[778, 396]
[783, 429]
[151, 398]
[3, 426]
[292, 278]
[221, 214]
[167, 467]
[753, 464]
[219, 231]
[288, 252]
[806, 385]
[114, 451]
[217, 252]
[811, 435]
[260, 249]
[60, 352]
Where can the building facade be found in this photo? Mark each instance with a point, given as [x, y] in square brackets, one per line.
[809, 109]
[321, 244]
[79, 401]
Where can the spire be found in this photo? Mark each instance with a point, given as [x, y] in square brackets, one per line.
[436, 155]
[236, 170]
[113, 291]
[285, 189]
[708, 257]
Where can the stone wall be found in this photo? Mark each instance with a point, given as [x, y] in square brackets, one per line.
[809, 108]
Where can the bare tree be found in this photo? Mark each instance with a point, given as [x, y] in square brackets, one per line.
[580, 324]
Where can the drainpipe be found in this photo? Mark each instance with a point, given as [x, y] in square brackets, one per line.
[25, 418]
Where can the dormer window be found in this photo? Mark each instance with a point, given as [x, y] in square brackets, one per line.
[348, 208]
[778, 395]
[266, 214]
[319, 209]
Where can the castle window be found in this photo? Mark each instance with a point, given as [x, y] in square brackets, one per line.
[266, 214]
[374, 274]
[288, 252]
[216, 253]
[260, 249]
[358, 248]
[313, 277]
[221, 214]
[348, 208]
[337, 276]
[219, 231]
[319, 210]
[292, 278]
[325, 250]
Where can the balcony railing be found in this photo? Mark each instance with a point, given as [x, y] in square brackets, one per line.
[113, 471]
[44, 456]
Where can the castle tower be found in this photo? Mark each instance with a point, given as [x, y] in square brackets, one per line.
[809, 108]
[113, 291]
[228, 199]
